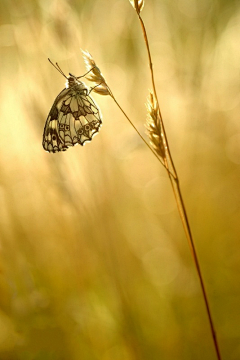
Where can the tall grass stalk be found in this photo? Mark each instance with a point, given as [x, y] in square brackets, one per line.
[159, 146]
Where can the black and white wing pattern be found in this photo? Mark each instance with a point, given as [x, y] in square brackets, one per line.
[73, 119]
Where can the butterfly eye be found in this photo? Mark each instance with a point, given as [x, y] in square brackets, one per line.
[87, 127]
[54, 137]
[80, 131]
[61, 126]
[67, 127]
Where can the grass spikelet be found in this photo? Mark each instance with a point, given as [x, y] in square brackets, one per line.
[137, 4]
[153, 126]
[95, 75]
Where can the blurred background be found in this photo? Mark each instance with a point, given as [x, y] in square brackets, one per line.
[94, 261]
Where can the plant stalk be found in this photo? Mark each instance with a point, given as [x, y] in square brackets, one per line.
[179, 199]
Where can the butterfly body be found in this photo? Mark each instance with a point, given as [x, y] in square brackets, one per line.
[73, 119]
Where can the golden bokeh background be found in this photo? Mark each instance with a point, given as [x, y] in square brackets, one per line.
[94, 261]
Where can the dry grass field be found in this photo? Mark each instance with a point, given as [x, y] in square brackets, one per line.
[94, 262]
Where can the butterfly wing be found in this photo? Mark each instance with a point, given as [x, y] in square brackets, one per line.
[87, 117]
[73, 119]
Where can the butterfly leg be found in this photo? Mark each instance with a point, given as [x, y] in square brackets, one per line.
[91, 89]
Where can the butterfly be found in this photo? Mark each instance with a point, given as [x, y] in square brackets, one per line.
[74, 117]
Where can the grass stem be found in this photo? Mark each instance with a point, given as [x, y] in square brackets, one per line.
[179, 199]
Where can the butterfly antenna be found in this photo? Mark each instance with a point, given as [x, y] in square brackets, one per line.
[60, 69]
[57, 67]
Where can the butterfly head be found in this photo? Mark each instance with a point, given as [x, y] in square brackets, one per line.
[71, 81]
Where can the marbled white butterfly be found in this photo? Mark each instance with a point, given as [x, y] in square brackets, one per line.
[74, 117]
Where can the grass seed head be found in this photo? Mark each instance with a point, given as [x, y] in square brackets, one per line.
[137, 4]
[95, 74]
[153, 126]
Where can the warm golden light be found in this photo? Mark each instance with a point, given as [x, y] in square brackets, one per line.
[94, 262]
